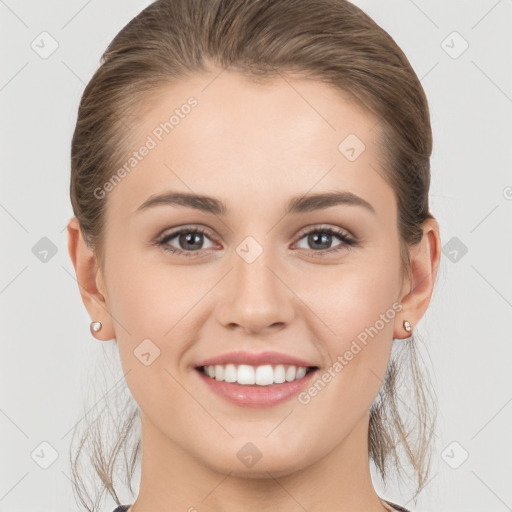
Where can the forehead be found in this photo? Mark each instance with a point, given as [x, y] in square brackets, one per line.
[226, 136]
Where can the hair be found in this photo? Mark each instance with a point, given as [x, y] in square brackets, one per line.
[330, 41]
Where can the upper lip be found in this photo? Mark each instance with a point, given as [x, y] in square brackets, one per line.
[254, 359]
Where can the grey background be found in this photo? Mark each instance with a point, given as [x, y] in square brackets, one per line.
[48, 354]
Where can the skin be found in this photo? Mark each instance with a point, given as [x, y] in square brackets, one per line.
[254, 147]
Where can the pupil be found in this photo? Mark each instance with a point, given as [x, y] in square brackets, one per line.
[189, 239]
[324, 237]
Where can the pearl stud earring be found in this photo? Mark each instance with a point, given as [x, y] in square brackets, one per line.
[95, 327]
[407, 326]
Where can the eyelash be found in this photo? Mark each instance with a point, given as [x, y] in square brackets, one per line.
[347, 241]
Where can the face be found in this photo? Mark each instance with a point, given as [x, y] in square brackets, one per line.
[268, 273]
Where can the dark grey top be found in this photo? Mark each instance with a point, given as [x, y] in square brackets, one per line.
[124, 508]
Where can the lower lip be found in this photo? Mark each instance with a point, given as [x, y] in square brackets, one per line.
[256, 396]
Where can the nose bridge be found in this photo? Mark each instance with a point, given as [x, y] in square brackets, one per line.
[258, 298]
[255, 284]
[254, 279]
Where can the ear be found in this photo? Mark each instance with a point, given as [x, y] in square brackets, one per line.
[90, 280]
[417, 292]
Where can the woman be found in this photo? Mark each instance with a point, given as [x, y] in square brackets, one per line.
[250, 188]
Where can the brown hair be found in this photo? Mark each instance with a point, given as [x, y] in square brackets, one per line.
[332, 41]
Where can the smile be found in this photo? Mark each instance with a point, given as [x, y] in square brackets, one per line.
[256, 386]
[263, 375]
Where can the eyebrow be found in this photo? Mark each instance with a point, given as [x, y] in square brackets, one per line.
[298, 204]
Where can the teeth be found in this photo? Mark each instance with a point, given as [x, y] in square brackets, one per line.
[245, 374]
[300, 372]
[219, 372]
[290, 373]
[264, 375]
[230, 373]
[279, 374]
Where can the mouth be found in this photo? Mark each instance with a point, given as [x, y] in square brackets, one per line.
[256, 386]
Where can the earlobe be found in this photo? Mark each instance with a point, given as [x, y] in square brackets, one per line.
[424, 261]
[88, 276]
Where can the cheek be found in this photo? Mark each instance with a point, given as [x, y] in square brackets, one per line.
[153, 310]
[355, 308]
[350, 298]
[149, 299]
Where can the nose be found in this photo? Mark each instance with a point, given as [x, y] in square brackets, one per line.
[257, 297]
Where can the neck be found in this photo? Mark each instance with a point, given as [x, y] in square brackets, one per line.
[173, 481]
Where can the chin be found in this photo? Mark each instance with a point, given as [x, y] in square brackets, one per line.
[253, 460]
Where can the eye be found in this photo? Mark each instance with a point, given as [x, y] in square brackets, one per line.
[321, 239]
[189, 240]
